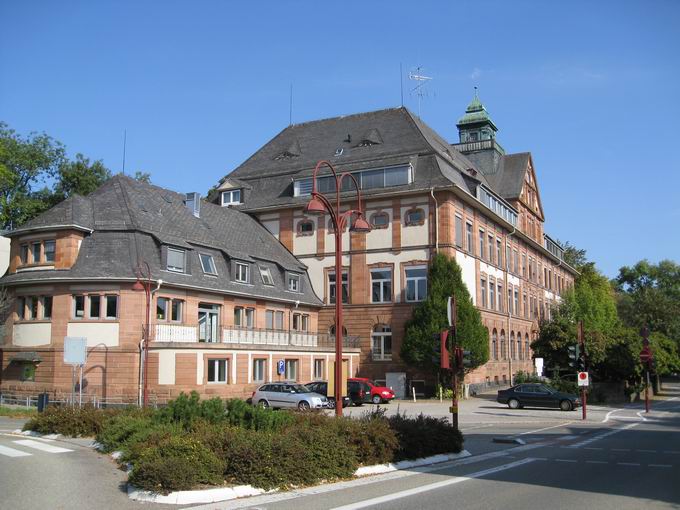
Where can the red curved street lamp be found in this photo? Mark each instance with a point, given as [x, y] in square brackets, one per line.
[143, 283]
[319, 204]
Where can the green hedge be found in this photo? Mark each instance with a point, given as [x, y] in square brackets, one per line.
[71, 421]
[424, 436]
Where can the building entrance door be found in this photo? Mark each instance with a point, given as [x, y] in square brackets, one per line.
[208, 322]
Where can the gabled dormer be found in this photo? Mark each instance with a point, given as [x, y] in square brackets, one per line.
[231, 192]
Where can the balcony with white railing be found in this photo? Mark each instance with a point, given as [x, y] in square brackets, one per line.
[185, 333]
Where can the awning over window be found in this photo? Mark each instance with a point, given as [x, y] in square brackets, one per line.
[27, 356]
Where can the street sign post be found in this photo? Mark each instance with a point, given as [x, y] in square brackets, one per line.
[280, 367]
[583, 379]
[75, 354]
[646, 357]
[582, 367]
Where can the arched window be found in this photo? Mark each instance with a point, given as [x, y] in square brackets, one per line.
[520, 353]
[526, 345]
[331, 332]
[380, 220]
[512, 345]
[414, 217]
[504, 354]
[494, 344]
[381, 343]
[305, 228]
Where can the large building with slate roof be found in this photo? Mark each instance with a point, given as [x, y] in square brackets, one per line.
[229, 300]
[423, 195]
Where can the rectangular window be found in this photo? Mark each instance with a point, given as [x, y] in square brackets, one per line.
[294, 282]
[381, 285]
[269, 319]
[482, 284]
[524, 265]
[459, 232]
[162, 305]
[499, 253]
[278, 320]
[500, 298]
[175, 260]
[95, 306]
[217, 370]
[332, 289]
[481, 244]
[515, 257]
[319, 368]
[21, 308]
[242, 272]
[231, 197]
[259, 365]
[266, 275]
[510, 301]
[32, 307]
[492, 295]
[524, 304]
[416, 283]
[244, 317]
[79, 306]
[111, 306]
[47, 307]
[508, 258]
[468, 234]
[35, 252]
[177, 310]
[291, 370]
[491, 249]
[23, 254]
[517, 302]
[207, 263]
[49, 251]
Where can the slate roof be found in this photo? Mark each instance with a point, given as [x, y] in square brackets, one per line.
[131, 220]
[397, 137]
[508, 178]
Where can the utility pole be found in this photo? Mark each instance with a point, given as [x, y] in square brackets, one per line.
[453, 318]
[583, 366]
[646, 357]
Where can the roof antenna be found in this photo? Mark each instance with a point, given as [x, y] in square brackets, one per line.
[420, 89]
[124, 146]
[401, 83]
[290, 108]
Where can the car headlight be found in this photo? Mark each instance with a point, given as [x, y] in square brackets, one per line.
[385, 392]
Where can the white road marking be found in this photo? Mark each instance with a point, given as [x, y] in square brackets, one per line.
[606, 418]
[431, 486]
[565, 460]
[11, 452]
[546, 428]
[596, 462]
[42, 446]
[628, 463]
[640, 415]
[660, 465]
[646, 451]
[606, 434]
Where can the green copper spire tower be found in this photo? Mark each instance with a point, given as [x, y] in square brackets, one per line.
[476, 124]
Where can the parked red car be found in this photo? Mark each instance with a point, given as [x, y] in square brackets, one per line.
[379, 394]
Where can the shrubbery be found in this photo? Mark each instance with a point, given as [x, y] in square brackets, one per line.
[522, 377]
[192, 442]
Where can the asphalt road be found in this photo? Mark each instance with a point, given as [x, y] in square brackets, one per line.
[618, 458]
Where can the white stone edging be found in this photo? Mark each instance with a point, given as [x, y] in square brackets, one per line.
[228, 493]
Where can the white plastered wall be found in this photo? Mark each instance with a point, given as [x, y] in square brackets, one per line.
[96, 333]
[33, 334]
[467, 266]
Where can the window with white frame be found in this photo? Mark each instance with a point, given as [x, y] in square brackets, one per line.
[259, 366]
[482, 284]
[291, 370]
[231, 197]
[381, 285]
[266, 275]
[468, 237]
[36, 252]
[111, 306]
[500, 297]
[481, 244]
[459, 232]
[242, 272]
[319, 366]
[492, 295]
[381, 343]
[273, 319]
[217, 370]
[300, 322]
[416, 283]
[490, 248]
[208, 263]
[49, 251]
[332, 287]
[293, 282]
[367, 179]
[175, 260]
[244, 317]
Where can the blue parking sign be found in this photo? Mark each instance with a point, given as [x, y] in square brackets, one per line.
[280, 367]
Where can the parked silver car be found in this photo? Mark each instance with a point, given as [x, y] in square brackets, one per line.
[288, 395]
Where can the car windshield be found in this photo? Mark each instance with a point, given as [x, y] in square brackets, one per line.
[299, 388]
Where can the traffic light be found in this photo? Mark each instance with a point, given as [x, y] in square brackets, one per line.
[440, 351]
[574, 355]
[463, 358]
[582, 362]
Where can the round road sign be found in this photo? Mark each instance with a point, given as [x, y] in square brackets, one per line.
[583, 379]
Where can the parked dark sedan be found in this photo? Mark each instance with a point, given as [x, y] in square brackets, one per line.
[321, 387]
[537, 395]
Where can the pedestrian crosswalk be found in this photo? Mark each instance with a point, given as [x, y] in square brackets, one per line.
[43, 446]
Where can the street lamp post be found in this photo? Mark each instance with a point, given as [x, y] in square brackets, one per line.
[143, 283]
[319, 204]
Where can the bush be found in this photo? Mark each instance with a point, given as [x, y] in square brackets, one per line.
[70, 421]
[424, 436]
[242, 414]
[522, 377]
[185, 409]
[564, 386]
[124, 431]
[177, 462]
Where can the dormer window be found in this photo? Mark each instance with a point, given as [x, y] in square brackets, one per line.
[266, 275]
[176, 260]
[37, 252]
[293, 282]
[49, 251]
[231, 197]
[242, 273]
[208, 264]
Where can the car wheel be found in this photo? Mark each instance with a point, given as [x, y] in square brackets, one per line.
[303, 405]
[263, 404]
[565, 405]
[376, 399]
[331, 403]
[513, 403]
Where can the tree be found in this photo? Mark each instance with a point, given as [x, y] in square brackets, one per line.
[79, 177]
[25, 163]
[573, 256]
[430, 317]
[142, 177]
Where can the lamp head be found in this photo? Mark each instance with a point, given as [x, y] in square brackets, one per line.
[315, 206]
[138, 286]
[360, 224]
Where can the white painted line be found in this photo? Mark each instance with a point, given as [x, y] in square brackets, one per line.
[431, 486]
[566, 460]
[592, 448]
[606, 418]
[37, 445]
[620, 449]
[11, 452]
[628, 463]
[640, 415]
[596, 462]
[606, 434]
[546, 428]
[660, 465]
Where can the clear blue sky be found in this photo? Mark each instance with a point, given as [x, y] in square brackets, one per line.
[590, 88]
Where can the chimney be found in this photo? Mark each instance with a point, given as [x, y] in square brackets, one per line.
[193, 203]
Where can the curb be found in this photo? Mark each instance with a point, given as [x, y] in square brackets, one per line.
[229, 493]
